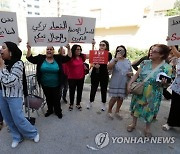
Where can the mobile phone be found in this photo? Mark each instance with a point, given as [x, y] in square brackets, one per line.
[166, 77]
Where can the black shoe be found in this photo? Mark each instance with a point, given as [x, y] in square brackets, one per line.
[60, 115]
[48, 114]
[65, 101]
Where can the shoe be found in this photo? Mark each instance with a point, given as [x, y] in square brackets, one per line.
[65, 101]
[130, 128]
[89, 105]
[15, 143]
[118, 116]
[36, 139]
[79, 107]
[48, 114]
[60, 115]
[103, 108]
[166, 127]
[110, 115]
[70, 107]
[147, 134]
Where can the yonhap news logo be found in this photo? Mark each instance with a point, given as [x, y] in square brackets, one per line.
[103, 139]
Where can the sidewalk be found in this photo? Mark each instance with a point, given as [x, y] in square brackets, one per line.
[77, 129]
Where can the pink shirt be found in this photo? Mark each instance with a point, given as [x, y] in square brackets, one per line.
[76, 68]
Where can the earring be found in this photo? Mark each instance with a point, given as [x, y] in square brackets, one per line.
[10, 54]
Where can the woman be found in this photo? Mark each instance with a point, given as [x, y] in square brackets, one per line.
[146, 106]
[49, 76]
[174, 114]
[121, 73]
[11, 94]
[76, 74]
[64, 86]
[99, 75]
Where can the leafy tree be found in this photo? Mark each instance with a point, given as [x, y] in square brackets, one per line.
[175, 10]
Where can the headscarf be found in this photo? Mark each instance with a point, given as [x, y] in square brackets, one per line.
[16, 54]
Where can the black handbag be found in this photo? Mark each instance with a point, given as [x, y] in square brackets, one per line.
[86, 68]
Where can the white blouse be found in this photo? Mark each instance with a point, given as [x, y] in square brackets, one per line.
[176, 83]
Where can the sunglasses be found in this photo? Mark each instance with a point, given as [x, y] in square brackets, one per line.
[49, 49]
[103, 45]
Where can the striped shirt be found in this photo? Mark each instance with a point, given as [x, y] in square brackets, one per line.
[11, 81]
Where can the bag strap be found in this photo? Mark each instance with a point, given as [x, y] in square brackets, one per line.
[153, 71]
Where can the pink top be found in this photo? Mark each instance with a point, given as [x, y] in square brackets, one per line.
[76, 68]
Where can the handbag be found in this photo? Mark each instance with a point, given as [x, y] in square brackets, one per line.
[138, 87]
[86, 68]
[33, 101]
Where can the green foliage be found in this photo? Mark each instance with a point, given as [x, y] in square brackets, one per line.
[134, 53]
[175, 10]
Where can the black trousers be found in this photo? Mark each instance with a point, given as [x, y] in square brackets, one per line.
[174, 114]
[53, 99]
[1, 118]
[64, 88]
[95, 81]
[73, 84]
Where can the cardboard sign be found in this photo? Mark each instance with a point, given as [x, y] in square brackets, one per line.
[8, 27]
[80, 29]
[43, 31]
[98, 57]
[173, 31]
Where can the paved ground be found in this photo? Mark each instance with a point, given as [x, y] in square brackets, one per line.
[76, 133]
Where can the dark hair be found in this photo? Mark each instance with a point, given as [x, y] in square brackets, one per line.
[124, 50]
[107, 44]
[16, 54]
[163, 50]
[73, 50]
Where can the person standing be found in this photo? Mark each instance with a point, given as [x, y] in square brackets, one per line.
[146, 105]
[174, 114]
[49, 76]
[76, 75]
[64, 85]
[121, 73]
[99, 75]
[11, 94]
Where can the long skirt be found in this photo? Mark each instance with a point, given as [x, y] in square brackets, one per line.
[174, 114]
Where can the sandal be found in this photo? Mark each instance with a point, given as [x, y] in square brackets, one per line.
[70, 107]
[166, 127]
[118, 116]
[110, 116]
[130, 128]
[147, 134]
[79, 107]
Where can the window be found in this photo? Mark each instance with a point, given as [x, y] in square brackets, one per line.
[37, 13]
[29, 12]
[36, 6]
[28, 5]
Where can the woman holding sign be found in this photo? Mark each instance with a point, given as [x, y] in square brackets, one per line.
[100, 76]
[49, 76]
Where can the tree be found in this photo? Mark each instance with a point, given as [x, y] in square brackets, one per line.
[175, 10]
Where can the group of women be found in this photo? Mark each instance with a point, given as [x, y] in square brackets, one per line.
[54, 71]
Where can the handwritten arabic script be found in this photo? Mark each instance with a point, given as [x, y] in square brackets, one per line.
[8, 27]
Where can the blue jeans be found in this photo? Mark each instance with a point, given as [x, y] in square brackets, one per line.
[1, 118]
[12, 112]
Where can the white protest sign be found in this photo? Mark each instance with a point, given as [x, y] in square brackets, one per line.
[81, 29]
[47, 31]
[174, 31]
[8, 27]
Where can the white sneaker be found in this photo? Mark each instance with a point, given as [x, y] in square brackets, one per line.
[89, 105]
[36, 139]
[103, 108]
[166, 127]
[14, 144]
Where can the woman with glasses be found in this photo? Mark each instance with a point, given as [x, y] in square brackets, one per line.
[146, 105]
[76, 75]
[99, 75]
[121, 73]
[49, 76]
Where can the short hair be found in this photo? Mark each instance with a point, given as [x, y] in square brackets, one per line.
[163, 50]
[122, 46]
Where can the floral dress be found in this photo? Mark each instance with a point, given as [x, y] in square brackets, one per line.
[146, 106]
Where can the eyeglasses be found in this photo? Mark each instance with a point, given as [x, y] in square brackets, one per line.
[119, 50]
[49, 49]
[103, 45]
